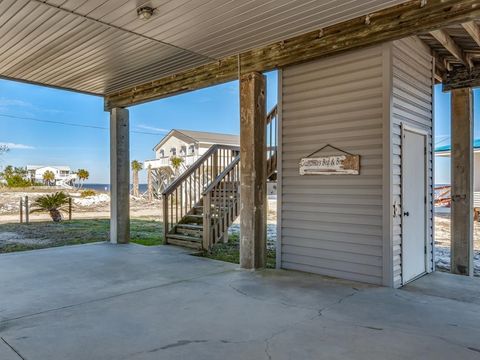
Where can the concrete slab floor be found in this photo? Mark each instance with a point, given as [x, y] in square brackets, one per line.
[102, 301]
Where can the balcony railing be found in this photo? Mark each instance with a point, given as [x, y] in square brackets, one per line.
[165, 161]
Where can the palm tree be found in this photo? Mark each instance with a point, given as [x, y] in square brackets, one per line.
[176, 162]
[136, 167]
[149, 183]
[53, 204]
[48, 177]
[82, 176]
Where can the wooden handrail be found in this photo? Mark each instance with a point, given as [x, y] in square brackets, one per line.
[271, 115]
[220, 176]
[170, 188]
[211, 184]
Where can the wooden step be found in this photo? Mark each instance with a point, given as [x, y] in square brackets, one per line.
[184, 237]
[188, 244]
[192, 218]
[190, 226]
[191, 242]
[189, 230]
[197, 210]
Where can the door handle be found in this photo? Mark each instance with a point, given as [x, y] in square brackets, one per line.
[406, 213]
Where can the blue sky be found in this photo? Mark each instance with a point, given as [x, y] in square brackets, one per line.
[442, 130]
[39, 143]
[211, 109]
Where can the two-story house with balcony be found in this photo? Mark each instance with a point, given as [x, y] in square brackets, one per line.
[64, 176]
[187, 145]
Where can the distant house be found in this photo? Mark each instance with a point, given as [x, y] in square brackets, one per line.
[188, 145]
[445, 152]
[185, 144]
[64, 176]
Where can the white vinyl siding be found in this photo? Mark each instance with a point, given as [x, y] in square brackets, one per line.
[412, 106]
[332, 225]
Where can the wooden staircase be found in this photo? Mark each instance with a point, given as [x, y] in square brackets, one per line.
[201, 204]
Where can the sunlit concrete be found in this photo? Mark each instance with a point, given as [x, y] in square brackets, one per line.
[105, 301]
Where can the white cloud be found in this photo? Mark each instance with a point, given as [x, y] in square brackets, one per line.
[151, 128]
[4, 102]
[17, 146]
[7, 104]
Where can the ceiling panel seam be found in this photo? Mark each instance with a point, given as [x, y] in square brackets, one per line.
[122, 29]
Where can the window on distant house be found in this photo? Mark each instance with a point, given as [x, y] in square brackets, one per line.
[191, 149]
[161, 153]
[183, 150]
[173, 151]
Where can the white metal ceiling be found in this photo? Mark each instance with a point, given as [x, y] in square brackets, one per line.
[100, 46]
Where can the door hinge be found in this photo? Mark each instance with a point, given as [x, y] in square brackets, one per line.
[425, 249]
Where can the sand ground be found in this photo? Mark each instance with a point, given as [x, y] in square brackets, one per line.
[98, 207]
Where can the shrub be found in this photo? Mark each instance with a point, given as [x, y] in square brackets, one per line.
[52, 204]
[87, 193]
[17, 181]
[15, 177]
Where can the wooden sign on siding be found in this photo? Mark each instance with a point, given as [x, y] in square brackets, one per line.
[344, 164]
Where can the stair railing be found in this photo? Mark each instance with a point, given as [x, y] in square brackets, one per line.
[271, 122]
[221, 201]
[185, 192]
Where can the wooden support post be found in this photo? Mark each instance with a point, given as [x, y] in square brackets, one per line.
[215, 170]
[119, 177]
[21, 210]
[27, 210]
[462, 182]
[165, 218]
[207, 222]
[253, 215]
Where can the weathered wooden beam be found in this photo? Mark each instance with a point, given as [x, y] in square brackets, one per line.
[253, 171]
[449, 44]
[410, 18]
[442, 66]
[462, 182]
[462, 78]
[473, 30]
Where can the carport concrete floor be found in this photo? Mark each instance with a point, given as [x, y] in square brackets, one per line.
[103, 301]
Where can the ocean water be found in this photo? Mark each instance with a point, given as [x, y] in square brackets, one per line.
[106, 187]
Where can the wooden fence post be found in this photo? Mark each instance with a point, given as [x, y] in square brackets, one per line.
[27, 210]
[21, 210]
[69, 208]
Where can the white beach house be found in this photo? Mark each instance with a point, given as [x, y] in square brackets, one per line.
[64, 176]
[187, 145]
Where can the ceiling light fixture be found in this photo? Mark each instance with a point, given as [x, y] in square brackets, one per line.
[145, 12]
